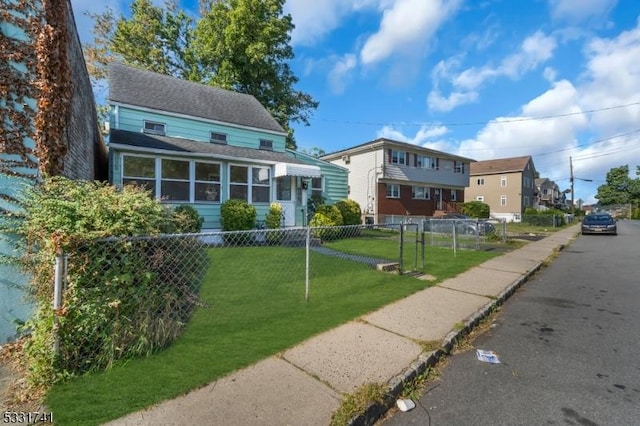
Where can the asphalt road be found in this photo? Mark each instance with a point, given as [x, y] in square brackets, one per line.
[569, 342]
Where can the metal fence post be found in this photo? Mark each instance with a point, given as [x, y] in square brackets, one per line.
[57, 298]
[307, 249]
[401, 248]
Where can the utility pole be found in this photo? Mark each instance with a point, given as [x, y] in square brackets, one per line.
[573, 178]
[573, 208]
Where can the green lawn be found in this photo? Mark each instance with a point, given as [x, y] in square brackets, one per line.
[255, 308]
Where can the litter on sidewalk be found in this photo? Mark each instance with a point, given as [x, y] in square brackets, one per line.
[405, 404]
[487, 356]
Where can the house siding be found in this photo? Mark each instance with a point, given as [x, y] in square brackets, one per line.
[516, 191]
[127, 118]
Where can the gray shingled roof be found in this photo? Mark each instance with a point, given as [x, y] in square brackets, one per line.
[133, 86]
[178, 145]
[500, 165]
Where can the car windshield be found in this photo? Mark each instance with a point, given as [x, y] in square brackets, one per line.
[598, 218]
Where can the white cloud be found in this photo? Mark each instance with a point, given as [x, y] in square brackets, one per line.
[423, 136]
[437, 102]
[406, 26]
[535, 49]
[576, 11]
[612, 78]
[313, 20]
[341, 72]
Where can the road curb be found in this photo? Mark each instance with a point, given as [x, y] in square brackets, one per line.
[395, 386]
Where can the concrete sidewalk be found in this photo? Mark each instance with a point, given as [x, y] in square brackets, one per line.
[304, 385]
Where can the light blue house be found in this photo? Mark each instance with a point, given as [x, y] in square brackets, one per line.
[189, 143]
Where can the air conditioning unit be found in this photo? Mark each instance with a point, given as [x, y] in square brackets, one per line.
[346, 159]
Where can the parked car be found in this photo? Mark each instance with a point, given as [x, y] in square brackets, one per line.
[599, 223]
[465, 225]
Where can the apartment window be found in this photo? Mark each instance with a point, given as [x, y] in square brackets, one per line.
[174, 185]
[398, 157]
[260, 188]
[267, 145]
[503, 181]
[458, 167]
[480, 198]
[154, 128]
[220, 138]
[425, 162]
[421, 193]
[207, 182]
[480, 181]
[139, 171]
[503, 200]
[393, 190]
[454, 195]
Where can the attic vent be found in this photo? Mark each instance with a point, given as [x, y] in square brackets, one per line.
[346, 159]
[266, 145]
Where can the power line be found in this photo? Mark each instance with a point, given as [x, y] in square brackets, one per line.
[480, 123]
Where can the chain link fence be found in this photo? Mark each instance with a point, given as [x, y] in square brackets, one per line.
[119, 298]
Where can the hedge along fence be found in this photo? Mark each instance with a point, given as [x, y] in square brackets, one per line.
[126, 297]
[106, 284]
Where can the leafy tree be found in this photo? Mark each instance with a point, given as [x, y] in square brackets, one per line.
[315, 152]
[239, 45]
[620, 188]
[154, 38]
[244, 46]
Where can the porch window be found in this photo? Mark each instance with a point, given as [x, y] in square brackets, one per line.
[454, 195]
[393, 190]
[283, 188]
[421, 193]
[207, 182]
[139, 171]
[260, 184]
[174, 185]
[239, 179]
[254, 190]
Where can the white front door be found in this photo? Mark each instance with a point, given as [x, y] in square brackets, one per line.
[286, 197]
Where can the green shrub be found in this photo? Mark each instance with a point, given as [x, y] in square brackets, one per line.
[476, 209]
[123, 297]
[273, 220]
[323, 227]
[332, 213]
[237, 215]
[350, 211]
[187, 219]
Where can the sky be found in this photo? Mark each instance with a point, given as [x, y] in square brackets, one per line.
[483, 79]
